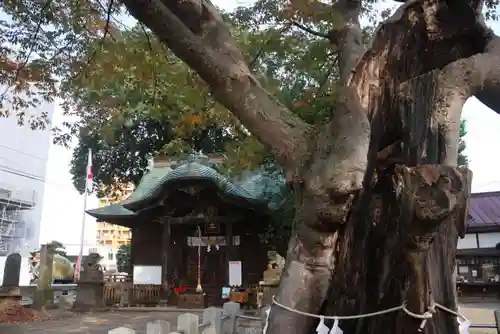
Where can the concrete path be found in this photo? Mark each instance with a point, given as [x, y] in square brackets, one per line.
[480, 314]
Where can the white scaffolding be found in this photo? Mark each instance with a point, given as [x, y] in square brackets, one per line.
[14, 221]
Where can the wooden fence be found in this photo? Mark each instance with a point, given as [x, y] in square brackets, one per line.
[125, 293]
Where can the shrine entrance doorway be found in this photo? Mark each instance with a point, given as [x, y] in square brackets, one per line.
[212, 266]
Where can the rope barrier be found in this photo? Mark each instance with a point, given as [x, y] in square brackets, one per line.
[345, 317]
[424, 316]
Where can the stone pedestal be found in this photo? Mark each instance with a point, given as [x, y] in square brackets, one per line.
[9, 295]
[43, 298]
[89, 296]
[269, 285]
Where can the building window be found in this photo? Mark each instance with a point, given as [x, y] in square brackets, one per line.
[93, 250]
[110, 256]
[463, 270]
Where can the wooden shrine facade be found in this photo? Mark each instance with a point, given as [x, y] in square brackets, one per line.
[177, 214]
[174, 246]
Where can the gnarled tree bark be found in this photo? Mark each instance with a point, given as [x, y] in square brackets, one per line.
[382, 201]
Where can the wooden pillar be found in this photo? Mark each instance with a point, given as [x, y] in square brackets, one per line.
[229, 250]
[132, 254]
[165, 259]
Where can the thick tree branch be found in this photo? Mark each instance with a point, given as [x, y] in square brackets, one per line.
[348, 38]
[196, 33]
[478, 75]
[487, 84]
[309, 30]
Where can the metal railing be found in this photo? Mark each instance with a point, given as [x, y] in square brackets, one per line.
[12, 195]
[484, 326]
[206, 324]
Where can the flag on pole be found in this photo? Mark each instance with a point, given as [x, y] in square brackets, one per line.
[89, 182]
[77, 268]
[88, 190]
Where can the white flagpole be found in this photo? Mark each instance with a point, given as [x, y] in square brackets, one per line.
[82, 234]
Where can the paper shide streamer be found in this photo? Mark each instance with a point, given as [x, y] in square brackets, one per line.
[323, 329]
[463, 325]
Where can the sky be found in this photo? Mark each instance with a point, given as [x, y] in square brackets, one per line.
[63, 206]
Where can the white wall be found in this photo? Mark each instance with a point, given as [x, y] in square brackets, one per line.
[23, 165]
[103, 250]
[63, 205]
[469, 241]
[25, 276]
[488, 240]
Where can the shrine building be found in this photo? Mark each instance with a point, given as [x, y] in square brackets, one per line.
[188, 222]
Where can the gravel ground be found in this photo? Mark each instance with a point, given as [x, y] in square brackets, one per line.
[100, 323]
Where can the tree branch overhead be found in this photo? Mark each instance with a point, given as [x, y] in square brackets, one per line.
[196, 33]
[397, 103]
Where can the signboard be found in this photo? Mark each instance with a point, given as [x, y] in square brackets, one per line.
[226, 292]
[212, 227]
[147, 275]
[235, 275]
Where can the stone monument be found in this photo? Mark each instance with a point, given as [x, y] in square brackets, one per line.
[44, 293]
[270, 279]
[9, 291]
[90, 286]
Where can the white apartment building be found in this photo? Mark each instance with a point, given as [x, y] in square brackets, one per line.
[23, 164]
[107, 253]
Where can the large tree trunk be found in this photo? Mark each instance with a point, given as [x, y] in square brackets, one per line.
[382, 201]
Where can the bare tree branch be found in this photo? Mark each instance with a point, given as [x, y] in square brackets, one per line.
[101, 43]
[260, 52]
[197, 34]
[153, 68]
[19, 68]
[309, 30]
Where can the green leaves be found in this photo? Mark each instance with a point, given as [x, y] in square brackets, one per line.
[131, 97]
[123, 258]
[463, 161]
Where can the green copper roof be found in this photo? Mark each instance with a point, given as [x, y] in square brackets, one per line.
[111, 211]
[155, 181]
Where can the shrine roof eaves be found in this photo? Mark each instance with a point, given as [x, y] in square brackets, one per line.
[154, 182]
[111, 211]
[484, 210]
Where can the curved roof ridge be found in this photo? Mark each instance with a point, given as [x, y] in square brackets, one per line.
[197, 170]
[153, 183]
